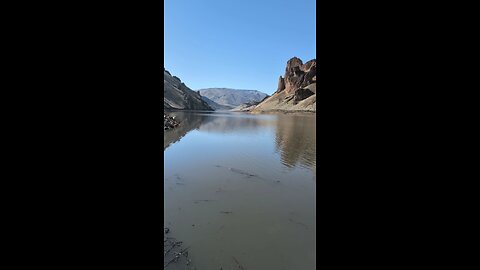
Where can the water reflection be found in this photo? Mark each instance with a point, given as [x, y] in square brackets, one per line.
[295, 138]
[295, 135]
[213, 122]
[237, 123]
[189, 121]
[233, 179]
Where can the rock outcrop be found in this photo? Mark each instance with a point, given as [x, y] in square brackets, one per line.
[296, 90]
[281, 84]
[177, 96]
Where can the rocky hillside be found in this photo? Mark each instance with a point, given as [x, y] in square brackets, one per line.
[245, 107]
[232, 97]
[296, 90]
[249, 106]
[216, 106]
[178, 96]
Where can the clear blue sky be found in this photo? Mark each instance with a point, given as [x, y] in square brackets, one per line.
[241, 44]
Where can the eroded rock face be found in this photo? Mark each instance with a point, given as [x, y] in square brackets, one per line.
[301, 94]
[296, 90]
[281, 84]
[299, 75]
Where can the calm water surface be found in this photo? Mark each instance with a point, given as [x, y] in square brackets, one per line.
[240, 189]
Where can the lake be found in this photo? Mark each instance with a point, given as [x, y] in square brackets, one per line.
[240, 189]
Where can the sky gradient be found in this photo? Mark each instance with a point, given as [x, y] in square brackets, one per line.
[241, 44]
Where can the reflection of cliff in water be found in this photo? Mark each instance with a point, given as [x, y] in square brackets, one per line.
[188, 122]
[295, 139]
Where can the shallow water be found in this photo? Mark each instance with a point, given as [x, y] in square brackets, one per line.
[240, 189]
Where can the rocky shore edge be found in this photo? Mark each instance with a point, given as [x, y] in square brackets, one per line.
[169, 122]
[175, 254]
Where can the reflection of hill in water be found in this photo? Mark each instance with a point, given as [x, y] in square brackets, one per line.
[295, 139]
[214, 123]
[295, 135]
[236, 123]
[188, 122]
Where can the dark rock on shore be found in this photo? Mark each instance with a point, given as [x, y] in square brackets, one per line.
[169, 122]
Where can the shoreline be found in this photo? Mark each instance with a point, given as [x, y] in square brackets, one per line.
[283, 111]
[250, 112]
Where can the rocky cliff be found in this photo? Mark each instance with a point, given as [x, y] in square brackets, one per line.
[177, 96]
[296, 90]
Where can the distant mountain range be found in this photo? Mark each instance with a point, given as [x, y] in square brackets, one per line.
[227, 98]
